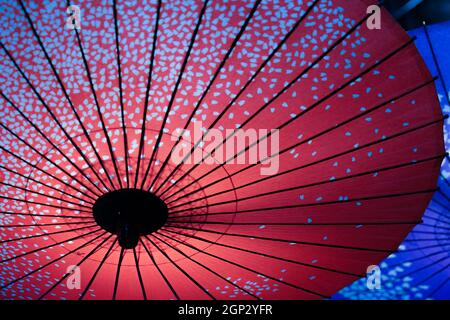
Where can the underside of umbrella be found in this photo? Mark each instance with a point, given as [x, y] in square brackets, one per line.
[341, 157]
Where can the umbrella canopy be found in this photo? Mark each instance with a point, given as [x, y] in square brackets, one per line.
[96, 206]
[420, 269]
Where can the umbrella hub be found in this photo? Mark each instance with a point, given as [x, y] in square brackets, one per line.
[130, 213]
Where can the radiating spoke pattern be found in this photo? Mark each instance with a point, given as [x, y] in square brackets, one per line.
[123, 174]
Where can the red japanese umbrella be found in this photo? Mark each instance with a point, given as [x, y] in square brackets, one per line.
[93, 204]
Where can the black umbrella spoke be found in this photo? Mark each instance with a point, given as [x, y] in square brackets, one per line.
[50, 262]
[436, 62]
[285, 150]
[433, 254]
[425, 267]
[44, 195]
[429, 232]
[267, 276]
[160, 271]
[438, 288]
[268, 103]
[97, 104]
[138, 271]
[147, 93]
[64, 90]
[444, 206]
[45, 204]
[122, 106]
[314, 266]
[250, 80]
[49, 246]
[443, 177]
[174, 93]
[419, 248]
[203, 265]
[436, 226]
[46, 234]
[208, 87]
[267, 209]
[43, 224]
[441, 216]
[315, 184]
[119, 266]
[179, 268]
[55, 147]
[306, 243]
[443, 195]
[48, 185]
[305, 205]
[55, 119]
[86, 289]
[440, 221]
[424, 240]
[97, 247]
